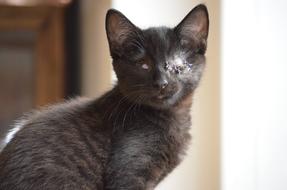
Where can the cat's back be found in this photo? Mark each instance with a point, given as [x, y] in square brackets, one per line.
[60, 147]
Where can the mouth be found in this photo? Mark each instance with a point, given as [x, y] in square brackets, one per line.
[163, 97]
[165, 100]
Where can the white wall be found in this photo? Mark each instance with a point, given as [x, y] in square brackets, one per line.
[200, 170]
[254, 95]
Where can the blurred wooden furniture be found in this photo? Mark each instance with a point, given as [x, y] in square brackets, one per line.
[45, 18]
[43, 21]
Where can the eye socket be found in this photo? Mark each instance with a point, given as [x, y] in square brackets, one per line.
[178, 69]
[137, 54]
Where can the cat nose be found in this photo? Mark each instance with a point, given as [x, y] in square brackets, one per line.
[161, 84]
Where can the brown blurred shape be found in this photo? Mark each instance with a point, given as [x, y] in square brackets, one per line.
[32, 56]
[35, 2]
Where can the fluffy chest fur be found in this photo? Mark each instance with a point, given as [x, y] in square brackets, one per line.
[146, 140]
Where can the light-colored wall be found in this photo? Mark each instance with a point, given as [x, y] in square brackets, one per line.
[205, 149]
[254, 95]
[200, 170]
[96, 62]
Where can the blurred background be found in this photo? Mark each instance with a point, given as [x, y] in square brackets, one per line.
[56, 49]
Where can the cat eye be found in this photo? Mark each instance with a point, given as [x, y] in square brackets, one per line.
[142, 64]
[145, 66]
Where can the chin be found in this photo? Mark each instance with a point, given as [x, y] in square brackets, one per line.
[165, 103]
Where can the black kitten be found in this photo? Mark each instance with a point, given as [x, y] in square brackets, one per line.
[131, 137]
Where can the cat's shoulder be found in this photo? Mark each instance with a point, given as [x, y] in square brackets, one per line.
[66, 107]
[59, 112]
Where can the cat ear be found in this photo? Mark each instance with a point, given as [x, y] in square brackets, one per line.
[194, 27]
[118, 28]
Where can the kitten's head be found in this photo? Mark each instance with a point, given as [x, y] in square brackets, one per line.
[158, 66]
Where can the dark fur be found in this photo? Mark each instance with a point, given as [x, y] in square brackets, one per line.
[131, 137]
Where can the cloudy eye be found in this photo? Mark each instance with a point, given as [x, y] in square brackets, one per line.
[142, 64]
[145, 66]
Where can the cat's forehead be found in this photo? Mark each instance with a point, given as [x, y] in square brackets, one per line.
[160, 38]
[158, 32]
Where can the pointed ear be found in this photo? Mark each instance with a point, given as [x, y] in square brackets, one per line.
[118, 29]
[194, 27]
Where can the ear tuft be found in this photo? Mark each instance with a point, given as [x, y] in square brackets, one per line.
[195, 25]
